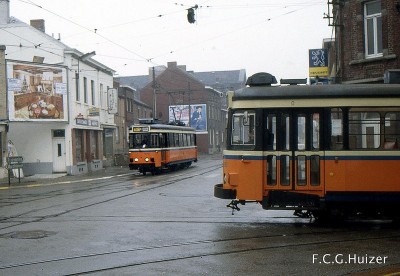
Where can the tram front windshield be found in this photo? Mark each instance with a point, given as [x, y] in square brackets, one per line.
[143, 140]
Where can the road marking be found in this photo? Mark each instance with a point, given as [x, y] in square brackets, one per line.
[63, 182]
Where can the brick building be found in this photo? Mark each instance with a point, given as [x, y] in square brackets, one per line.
[367, 45]
[179, 94]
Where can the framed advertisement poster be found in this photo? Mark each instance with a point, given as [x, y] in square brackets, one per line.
[36, 92]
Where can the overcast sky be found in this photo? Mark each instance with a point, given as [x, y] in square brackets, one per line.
[130, 36]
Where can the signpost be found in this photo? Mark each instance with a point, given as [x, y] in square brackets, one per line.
[14, 162]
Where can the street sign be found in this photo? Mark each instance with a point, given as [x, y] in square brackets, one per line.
[15, 159]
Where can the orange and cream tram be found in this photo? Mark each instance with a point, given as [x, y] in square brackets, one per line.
[319, 150]
[153, 147]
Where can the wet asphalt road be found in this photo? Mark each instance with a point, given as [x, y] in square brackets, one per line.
[122, 223]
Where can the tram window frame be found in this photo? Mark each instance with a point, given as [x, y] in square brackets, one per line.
[243, 128]
[163, 139]
[272, 170]
[360, 122]
[270, 136]
[171, 140]
[391, 124]
[301, 131]
[336, 128]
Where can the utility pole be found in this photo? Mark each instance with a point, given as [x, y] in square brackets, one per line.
[189, 104]
[154, 96]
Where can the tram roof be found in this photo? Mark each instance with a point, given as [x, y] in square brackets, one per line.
[318, 91]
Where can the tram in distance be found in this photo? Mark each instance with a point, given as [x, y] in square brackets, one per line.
[320, 150]
[154, 147]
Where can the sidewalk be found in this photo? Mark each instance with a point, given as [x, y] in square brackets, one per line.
[44, 179]
[60, 178]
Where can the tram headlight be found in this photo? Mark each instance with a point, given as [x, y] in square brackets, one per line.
[136, 159]
[146, 159]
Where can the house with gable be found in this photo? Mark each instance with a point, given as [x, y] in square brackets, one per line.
[61, 103]
[177, 96]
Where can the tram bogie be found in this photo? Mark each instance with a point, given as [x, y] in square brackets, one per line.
[316, 150]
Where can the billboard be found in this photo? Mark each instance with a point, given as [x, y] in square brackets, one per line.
[36, 92]
[112, 100]
[318, 62]
[194, 115]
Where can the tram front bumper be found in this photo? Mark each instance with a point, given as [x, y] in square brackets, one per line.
[222, 193]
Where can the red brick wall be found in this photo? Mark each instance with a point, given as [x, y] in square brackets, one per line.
[353, 64]
[175, 87]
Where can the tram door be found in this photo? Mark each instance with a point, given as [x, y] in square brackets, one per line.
[295, 156]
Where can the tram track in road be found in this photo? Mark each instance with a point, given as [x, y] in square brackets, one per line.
[104, 188]
[184, 250]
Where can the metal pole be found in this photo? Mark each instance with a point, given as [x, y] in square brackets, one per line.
[154, 95]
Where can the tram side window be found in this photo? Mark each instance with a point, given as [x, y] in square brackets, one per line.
[171, 140]
[185, 143]
[243, 129]
[163, 140]
[364, 130]
[336, 142]
[315, 131]
[392, 130]
[271, 137]
[301, 132]
[154, 141]
[176, 138]
[285, 130]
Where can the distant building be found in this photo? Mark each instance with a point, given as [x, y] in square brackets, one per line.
[190, 89]
[367, 47]
[179, 97]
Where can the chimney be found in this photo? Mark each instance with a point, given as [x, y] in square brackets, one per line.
[4, 12]
[38, 24]
[172, 64]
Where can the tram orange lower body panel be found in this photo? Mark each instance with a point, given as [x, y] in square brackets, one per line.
[362, 175]
[173, 156]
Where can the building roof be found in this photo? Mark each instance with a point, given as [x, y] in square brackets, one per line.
[137, 82]
[222, 77]
[228, 79]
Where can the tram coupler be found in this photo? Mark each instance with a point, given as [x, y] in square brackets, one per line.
[234, 205]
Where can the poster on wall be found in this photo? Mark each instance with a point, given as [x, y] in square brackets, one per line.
[194, 115]
[112, 101]
[36, 92]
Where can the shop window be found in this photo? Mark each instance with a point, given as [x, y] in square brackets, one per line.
[94, 144]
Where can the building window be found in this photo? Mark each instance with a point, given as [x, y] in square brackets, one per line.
[101, 95]
[77, 87]
[93, 92]
[373, 29]
[85, 94]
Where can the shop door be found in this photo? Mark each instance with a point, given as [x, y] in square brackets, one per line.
[59, 161]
